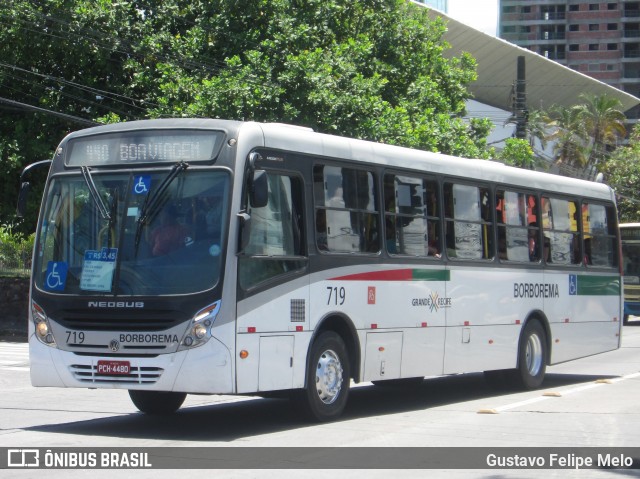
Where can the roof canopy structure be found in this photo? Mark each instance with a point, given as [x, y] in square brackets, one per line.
[547, 82]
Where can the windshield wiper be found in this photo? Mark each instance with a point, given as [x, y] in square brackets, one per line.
[95, 195]
[152, 201]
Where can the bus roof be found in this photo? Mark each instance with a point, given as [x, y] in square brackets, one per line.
[306, 141]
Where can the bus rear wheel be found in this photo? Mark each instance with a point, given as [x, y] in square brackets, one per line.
[157, 402]
[532, 357]
[328, 377]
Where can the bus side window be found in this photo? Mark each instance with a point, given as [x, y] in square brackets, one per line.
[517, 226]
[410, 228]
[598, 228]
[276, 233]
[346, 214]
[468, 222]
[561, 235]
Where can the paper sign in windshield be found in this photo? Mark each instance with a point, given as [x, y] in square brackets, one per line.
[97, 269]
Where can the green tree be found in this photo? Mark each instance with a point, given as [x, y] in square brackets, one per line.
[517, 152]
[622, 172]
[603, 122]
[370, 69]
[568, 136]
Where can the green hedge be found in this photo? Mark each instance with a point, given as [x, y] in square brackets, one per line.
[15, 252]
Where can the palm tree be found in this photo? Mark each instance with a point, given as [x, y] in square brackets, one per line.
[603, 122]
[568, 135]
[537, 127]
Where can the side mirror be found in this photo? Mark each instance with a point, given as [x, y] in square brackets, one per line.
[22, 199]
[25, 186]
[259, 189]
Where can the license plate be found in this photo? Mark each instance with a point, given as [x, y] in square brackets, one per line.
[114, 367]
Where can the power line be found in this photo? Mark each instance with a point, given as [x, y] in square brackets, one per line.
[25, 106]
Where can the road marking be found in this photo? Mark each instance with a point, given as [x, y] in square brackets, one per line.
[546, 396]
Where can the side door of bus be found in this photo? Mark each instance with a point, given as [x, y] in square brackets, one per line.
[273, 288]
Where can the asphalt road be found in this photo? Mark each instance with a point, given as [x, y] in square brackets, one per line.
[592, 402]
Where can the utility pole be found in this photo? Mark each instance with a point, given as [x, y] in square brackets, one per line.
[520, 101]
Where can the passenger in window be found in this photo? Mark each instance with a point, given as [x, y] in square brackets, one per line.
[533, 243]
[170, 235]
[587, 251]
[433, 241]
[321, 230]
[547, 250]
[502, 247]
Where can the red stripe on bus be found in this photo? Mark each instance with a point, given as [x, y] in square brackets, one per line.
[390, 275]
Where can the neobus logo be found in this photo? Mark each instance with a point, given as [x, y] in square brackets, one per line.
[116, 304]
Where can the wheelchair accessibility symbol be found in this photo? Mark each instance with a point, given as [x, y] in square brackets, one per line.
[141, 184]
[56, 275]
[573, 285]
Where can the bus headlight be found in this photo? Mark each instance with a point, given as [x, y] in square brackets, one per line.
[199, 330]
[41, 323]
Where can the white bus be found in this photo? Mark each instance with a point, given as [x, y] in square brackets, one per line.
[630, 238]
[220, 257]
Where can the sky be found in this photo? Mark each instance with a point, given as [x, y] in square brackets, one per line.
[479, 14]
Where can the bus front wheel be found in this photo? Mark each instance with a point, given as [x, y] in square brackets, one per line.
[157, 402]
[532, 357]
[328, 378]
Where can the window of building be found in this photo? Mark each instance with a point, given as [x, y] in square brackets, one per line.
[612, 46]
[574, 47]
[594, 6]
[525, 29]
[594, 67]
[509, 9]
[612, 26]
[594, 27]
[526, 9]
[593, 47]
[574, 8]
[412, 220]
[508, 29]
[574, 27]
[612, 6]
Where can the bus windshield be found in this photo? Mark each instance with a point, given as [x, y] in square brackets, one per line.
[133, 233]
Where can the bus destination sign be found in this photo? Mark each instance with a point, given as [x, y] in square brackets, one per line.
[630, 233]
[153, 146]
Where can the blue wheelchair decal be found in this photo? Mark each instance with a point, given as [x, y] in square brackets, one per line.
[141, 184]
[573, 285]
[56, 275]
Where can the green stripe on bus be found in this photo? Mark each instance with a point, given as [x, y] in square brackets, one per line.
[431, 275]
[598, 285]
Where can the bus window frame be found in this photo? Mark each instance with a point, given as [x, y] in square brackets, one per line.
[428, 217]
[490, 237]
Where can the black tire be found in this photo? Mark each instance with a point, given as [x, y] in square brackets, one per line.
[328, 378]
[532, 357]
[157, 402]
[625, 319]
